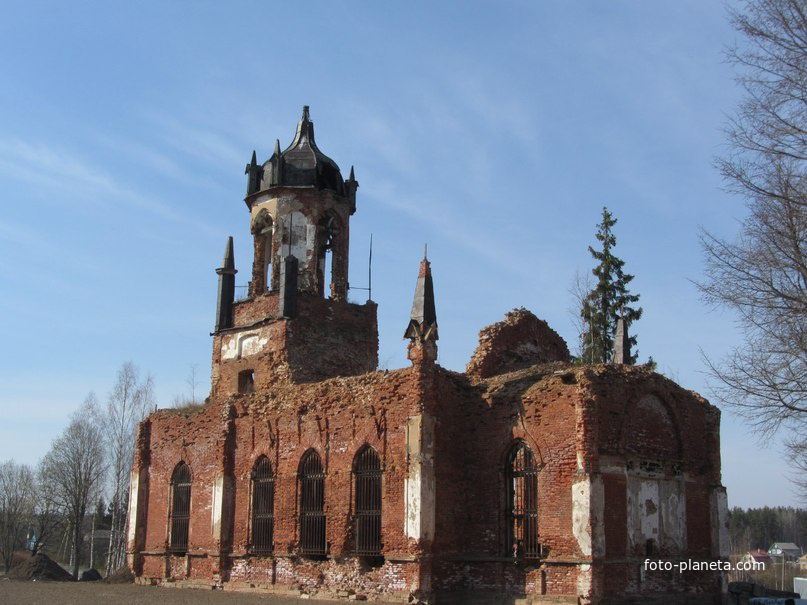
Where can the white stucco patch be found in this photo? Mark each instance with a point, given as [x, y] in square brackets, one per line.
[673, 515]
[584, 580]
[720, 515]
[648, 509]
[419, 488]
[244, 344]
[216, 505]
[134, 485]
[302, 236]
[581, 515]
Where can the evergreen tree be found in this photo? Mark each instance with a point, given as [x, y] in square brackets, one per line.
[609, 299]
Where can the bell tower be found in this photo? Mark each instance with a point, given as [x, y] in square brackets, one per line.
[296, 323]
[300, 206]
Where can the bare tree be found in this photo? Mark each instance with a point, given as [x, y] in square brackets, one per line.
[762, 275]
[127, 405]
[581, 287]
[47, 517]
[189, 400]
[73, 471]
[16, 507]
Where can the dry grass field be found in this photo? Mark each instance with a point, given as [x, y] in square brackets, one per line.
[14, 592]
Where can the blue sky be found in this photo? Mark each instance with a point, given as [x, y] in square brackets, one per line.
[496, 132]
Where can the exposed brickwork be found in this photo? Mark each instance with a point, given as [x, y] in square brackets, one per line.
[625, 464]
[519, 341]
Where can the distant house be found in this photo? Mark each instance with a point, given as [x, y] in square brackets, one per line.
[788, 550]
[757, 556]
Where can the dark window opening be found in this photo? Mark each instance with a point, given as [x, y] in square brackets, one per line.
[263, 507]
[180, 508]
[246, 381]
[312, 506]
[522, 504]
[367, 502]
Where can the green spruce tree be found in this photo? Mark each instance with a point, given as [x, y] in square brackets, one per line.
[609, 299]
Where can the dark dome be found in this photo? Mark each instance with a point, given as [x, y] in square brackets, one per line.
[302, 164]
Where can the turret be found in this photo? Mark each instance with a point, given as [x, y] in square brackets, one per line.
[300, 206]
[422, 328]
[226, 294]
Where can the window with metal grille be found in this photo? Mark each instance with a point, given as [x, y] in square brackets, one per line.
[522, 503]
[263, 507]
[312, 505]
[367, 502]
[180, 508]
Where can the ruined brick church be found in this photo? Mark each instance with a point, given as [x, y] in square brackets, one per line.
[308, 471]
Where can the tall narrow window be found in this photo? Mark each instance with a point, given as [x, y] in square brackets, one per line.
[266, 234]
[367, 502]
[263, 507]
[180, 508]
[522, 503]
[312, 505]
[327, 232]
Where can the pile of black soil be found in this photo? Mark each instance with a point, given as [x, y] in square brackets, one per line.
[39, 567]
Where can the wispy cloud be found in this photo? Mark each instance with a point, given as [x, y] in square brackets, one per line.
[61, 169]
[203, 144]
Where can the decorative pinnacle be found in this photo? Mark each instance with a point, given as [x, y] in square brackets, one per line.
[423, 319]
[277, 148]
[621, 343]
[228, 265]
[305, 117]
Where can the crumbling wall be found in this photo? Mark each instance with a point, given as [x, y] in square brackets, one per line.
[659, 463]
[326, 339]
[519, 341]
[478, 424]
[222, 442]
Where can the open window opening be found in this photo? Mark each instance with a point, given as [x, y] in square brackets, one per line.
[263, 231]
[246, 381]
[328, 231]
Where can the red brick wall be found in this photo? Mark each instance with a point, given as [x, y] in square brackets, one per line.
[564, 414]
[327, 339]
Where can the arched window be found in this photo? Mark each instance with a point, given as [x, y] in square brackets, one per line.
[367, 502]
[522, 503]
[266, 233]
[312, 505]
[263, 230]
[180, 508]
[263, 506]
[328, 230]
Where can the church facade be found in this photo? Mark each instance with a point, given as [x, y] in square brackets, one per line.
[309, 472]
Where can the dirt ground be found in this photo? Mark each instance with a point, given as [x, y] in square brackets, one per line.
[14, 592]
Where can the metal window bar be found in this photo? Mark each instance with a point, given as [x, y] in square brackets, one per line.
[312, 505]
[263, 507]
[522, 500]
[180, 508]
[367, 503]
